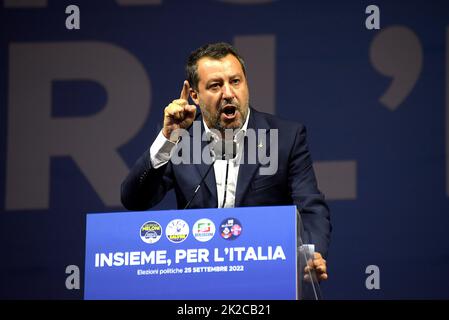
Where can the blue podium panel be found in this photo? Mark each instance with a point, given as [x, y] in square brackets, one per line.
[204, 254]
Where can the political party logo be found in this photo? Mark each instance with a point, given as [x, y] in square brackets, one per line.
[203, 230]
[230, 228]
[177, 230]
[150, 232]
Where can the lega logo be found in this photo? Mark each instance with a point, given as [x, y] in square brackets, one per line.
[203, 230]
[150, 232]
[177, 230]
[230, 228]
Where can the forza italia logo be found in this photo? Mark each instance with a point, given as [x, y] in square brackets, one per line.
[203, 230]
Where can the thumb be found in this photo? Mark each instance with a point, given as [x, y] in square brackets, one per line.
[191, 109]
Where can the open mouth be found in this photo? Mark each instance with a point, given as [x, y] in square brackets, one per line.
[229, 111]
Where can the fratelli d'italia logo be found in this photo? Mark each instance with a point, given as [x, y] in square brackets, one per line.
[150, 232]
[230, 228]
[177, 230]
[203, 230]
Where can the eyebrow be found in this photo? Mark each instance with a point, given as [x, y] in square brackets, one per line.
[236, 75]
[213, 80]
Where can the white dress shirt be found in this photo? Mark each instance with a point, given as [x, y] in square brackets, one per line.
[160, 154]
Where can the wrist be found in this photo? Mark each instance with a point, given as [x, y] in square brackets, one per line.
[170, 135]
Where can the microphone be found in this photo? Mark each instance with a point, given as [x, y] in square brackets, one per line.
[228, 150]
[220, 150]
[224, 149]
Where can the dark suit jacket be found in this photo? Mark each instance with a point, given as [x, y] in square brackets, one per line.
[294, 182]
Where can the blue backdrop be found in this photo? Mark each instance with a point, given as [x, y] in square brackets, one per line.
[78, 107]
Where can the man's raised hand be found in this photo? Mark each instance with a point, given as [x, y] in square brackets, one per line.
[178, 114]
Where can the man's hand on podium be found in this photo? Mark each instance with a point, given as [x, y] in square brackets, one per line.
[318, 264]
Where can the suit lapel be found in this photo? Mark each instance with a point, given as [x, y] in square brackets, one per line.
[209, 181]
[247, 171]
[201, 168]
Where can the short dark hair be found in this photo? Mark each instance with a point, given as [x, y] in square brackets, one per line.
[212, 50]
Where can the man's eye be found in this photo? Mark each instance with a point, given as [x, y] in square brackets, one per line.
[214, 86]
[236, 81]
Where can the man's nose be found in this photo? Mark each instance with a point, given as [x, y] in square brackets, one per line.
[228, 93]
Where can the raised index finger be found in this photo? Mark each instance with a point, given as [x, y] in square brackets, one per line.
[185, 91]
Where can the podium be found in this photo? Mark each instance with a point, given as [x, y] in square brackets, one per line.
[246, 253]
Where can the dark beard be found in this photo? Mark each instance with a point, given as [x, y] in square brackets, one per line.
[214, 119]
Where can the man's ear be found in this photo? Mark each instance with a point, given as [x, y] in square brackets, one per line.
[194, 96]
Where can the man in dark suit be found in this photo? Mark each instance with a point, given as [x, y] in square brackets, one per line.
[217, 75]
